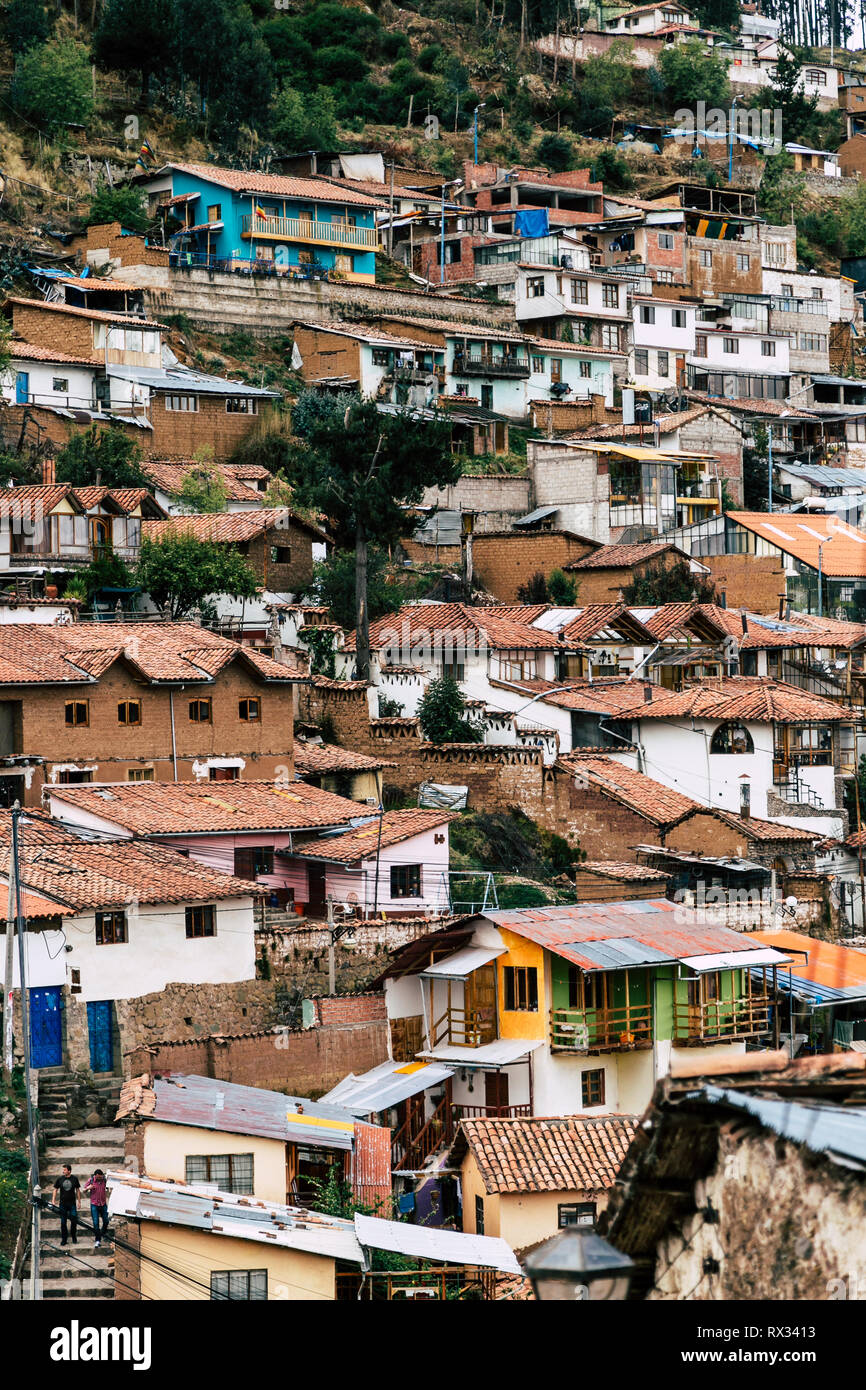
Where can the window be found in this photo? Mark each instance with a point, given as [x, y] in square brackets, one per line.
[706, 259]
[812, 342]
[538, 365]
[592, 1088]
[521, 988]
[576, 1214]
[817, 294]
[230, 1172]
[215, 212]
[242, 405]
[201, 711]
[579, 292]
[60, 383]
[743, 262]
[188, 403]
[663, 363]
[664, 277]
[787, 291]
[405, 880]
[647, 313]
[252, 860]
[77, 712]
[610, 296]
[535, 287]
[586, 369]
[100, 533]
[732, 738]
[730, 345]
[641, 362]
[610, 337]
[678, 318]
[768, 348]
[452, 252]
[248, 1285]
[200, 922]
[775, 252]
[250, 710]
[455, 669]
[281, 554]
[223, 774]
[69, 777]
[129, 712]
[139, 774]
[110, 928]
[666, 241]
[817, 76]
[479, 1215]
[700, 345]
[556, 369]
[381, 357]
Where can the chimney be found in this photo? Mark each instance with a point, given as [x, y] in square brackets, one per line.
[744, 620]
[49, 471]
[647, 694]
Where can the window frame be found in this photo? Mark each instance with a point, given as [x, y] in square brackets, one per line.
[248, 717]
[564, 1209]
[75, 705]
[237, 1183]
[203, 914]
[520, 989]
[405, 877]
[118, 932]
[592, 1089]
[197, 718]
[123, 709]
[228, 1275]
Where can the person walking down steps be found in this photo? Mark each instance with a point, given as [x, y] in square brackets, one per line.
[68, 1191]
[95, 1186]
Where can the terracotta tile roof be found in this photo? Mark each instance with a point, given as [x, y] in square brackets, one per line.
[362, 842]
[609, 695]
[752, 405]
[126, 499]
[365, 334]
[798, 630]
[278, 185]
[568, 1153]
[598, 616]
[33, 353]
[228, 528]
[755, 829]
[674, 618]
[660, 805]
[171, 808]
[754, 699]
[454, 624]
[624, 556]
[37, 654]
[374, 189]
[520, 612]
[169, 477]
[97, 282]
[34, 500]
[113, 873]
[622, 872]
[103, 315]
[844, 546]
[314, 758]
[667, 425]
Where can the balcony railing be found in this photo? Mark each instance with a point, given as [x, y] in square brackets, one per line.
[417, 1138]
[601, 1030]
[461, 1028]
[312, 231]
[488, 1112]
[485, 364]
[748, 1017]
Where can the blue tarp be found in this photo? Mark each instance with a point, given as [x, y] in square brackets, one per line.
[531, 223]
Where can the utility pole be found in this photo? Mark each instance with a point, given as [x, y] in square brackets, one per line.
[391, 214]
[332, 963]
[35, 1190]
[8, 1035]
[860, 855]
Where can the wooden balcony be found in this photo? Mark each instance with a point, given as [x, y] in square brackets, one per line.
[488, 1112]
[461, 1028]
[313, 233]
[602, 1030]
[487, 364]
[722, 1019]
[417, 1138]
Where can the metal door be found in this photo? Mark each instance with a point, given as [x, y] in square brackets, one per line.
[46, 1027]
[22, 388]
[99, 1025]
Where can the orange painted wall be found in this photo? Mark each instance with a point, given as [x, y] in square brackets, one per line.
[521, 1024]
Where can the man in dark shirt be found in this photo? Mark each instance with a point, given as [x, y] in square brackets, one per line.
[68, 1190]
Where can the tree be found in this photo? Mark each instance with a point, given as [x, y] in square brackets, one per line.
[785, 94]
[108, 453]
[674, 585]
[181, 573]
[123, 204]
[304, 120]
[562, 589]
[442, 714]
[611, 169]
[203, 489]
[137, 36]
[608, 77]
[52, 85]
[362, 469]
[534, 590]
[691, 72]
[717, 14]
[756, 465]
[781, 190]
[334, 581]
[26, 24]
[554, 151]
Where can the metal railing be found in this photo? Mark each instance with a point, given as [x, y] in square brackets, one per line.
[311, 230]
[485, 364]
[592, 1030]
[749, 1016]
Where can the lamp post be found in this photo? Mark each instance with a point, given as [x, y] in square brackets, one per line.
[475, 127]
[821, 545]
[578, 1265]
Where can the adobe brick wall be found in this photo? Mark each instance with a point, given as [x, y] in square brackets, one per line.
[69, 333]
[750, 581]
[127, 1264]
[112, 748]
[563, 417]
[339, 1010]
[327, 354]
[723, 274]
[282, 578]
[505, 562]
[606, 585]
[305, 1062]
[179, 433]
[104, 241]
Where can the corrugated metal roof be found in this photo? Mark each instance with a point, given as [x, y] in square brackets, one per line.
[221, 1105]
[620, 954]
[823, 972]
[463, 962]
[431, 1243]
[496, 1054]
[825, 477]
[728, 960]
[386, 1085]
[828, 1129]
[538, 515]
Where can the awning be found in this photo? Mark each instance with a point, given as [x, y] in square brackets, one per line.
[501, 1053]
[431, 1243]
[735, 960]
[463, 962]
[538, 515]
[386, 1085]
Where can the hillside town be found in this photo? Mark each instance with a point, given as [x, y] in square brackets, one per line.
[436, 537]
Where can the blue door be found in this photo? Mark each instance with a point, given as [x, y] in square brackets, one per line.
[46, 1027]
[99, 1031]
[22, 388]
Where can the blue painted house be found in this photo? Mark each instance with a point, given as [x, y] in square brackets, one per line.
[234, 219]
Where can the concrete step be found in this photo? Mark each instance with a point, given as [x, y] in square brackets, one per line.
[75, 1292]
[110, 1135]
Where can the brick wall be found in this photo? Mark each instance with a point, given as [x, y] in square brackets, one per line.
[425, 260]
[750, 581]
[69, 333]
[339, 1010]
[105, 241]
[563, 417]
[504, 562]
[606, 585]
[179, 433]
[723, 275]
[327, 354]
[127, 1265]
[496, 494]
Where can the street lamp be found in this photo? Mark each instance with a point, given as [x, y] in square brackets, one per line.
[475, 127]
[577, 1265]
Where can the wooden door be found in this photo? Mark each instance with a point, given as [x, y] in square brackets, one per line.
[481, 1001]
[496, 1092]
[316, 891]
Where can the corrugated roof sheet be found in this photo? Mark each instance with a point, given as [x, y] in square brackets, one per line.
[433, 1243]
[386, 1085]
[831, 974]
[829, 1129]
